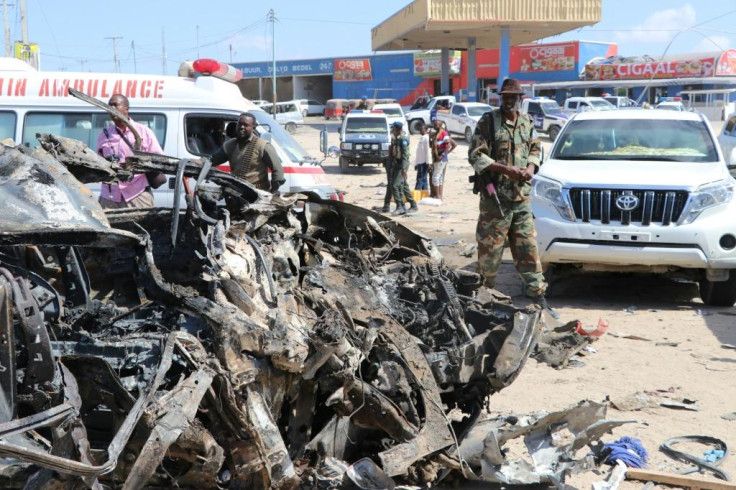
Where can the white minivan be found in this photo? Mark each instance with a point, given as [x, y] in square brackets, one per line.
[191, 117]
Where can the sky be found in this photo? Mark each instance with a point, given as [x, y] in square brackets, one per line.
[75, 35]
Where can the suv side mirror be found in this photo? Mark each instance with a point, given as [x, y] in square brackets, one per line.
[323, 141]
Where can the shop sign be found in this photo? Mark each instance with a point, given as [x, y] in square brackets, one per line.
[546, 57]
[27, 52]
[727, 63]
[683, 68]
[353, 70]
[429, 63]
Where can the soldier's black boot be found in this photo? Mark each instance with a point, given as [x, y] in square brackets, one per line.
[541, 301]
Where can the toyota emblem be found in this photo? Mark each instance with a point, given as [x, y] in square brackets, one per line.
[627, 201]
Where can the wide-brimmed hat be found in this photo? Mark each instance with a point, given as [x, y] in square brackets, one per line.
[511, 86]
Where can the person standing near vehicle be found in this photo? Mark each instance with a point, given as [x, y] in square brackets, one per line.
[251, 157]
[443, 146]
[363, 105]
[400, 159]
[505, 154]
[115, 143]
[422, 159]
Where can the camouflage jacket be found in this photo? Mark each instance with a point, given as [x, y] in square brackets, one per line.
[400, 154]
[516, 146]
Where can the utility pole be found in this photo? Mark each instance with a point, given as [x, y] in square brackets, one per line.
[231, 54]
[81, 64]
[272, 19]
[115, 51]
[163, 51]
[24, 21]
[8, 46]
[135, 62]
[197, 42]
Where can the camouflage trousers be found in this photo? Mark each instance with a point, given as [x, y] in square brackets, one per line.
[517, 223]
[399, 187]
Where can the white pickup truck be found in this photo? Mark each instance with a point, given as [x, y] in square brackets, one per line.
[574, 105]
[546, 113]
[422, 114]
[463, 117]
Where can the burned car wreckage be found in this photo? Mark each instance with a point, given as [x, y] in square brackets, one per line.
[274, 342]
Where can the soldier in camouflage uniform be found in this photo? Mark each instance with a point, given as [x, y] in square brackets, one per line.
[400, 161]
[505, 153]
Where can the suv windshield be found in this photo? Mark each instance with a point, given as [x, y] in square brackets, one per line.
[284, 140]
[636, 139]
[550, 107]
[365, 125]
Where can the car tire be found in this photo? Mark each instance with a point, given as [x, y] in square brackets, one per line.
[414, 126]
[468, 135]
[290, 127]
[553, 132]
[344, 165]
[721, 293]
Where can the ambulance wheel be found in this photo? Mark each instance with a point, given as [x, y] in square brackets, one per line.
[553, 132]
[468, 135]
[344, 165]
[414, 126]
[290, 128]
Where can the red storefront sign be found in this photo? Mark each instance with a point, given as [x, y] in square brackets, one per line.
[544, 57]
[353, 70]
[696, 67]
[727, 63]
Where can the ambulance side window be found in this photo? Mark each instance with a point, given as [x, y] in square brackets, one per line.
[206, 133]
[83, 126]
[7, 125]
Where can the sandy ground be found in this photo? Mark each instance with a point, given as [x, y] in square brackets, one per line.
[675, 344]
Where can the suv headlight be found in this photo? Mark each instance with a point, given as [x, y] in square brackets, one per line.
[384, 146]
[705, 197]
[346, 146]
[551, 191]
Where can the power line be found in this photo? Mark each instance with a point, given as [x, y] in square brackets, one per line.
[115, 51]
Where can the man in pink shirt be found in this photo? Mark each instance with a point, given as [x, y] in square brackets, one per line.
[116, 143]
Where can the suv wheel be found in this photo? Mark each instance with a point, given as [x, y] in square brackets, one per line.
[414, 126]
[468, 135]
[344, 165]
[553, 132]
[721, 293]
[290, 127]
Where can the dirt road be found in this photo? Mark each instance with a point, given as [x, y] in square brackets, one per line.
[661, 339]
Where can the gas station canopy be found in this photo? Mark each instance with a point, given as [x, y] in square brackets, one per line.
[435, 24]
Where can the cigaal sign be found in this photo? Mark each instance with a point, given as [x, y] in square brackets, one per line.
[697, 68]
[353, 70]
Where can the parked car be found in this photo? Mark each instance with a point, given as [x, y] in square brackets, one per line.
[671, 106]
[547, 115]
[727, 138]
[621, 102]
[286, 113]
[463, 117]
[310, 107]
[639, 191]
[580, 104]
[394, 113]
[364, 138]
[426, 110]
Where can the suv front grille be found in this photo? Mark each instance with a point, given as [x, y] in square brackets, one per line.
[658, 207]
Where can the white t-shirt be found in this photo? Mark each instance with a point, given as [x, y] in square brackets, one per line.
[422, 153]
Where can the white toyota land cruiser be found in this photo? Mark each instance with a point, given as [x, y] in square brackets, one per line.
[637, 190]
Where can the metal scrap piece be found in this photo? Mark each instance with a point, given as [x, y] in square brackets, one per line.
[179, 406]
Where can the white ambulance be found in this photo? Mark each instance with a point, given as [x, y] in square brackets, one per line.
[191, 116]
